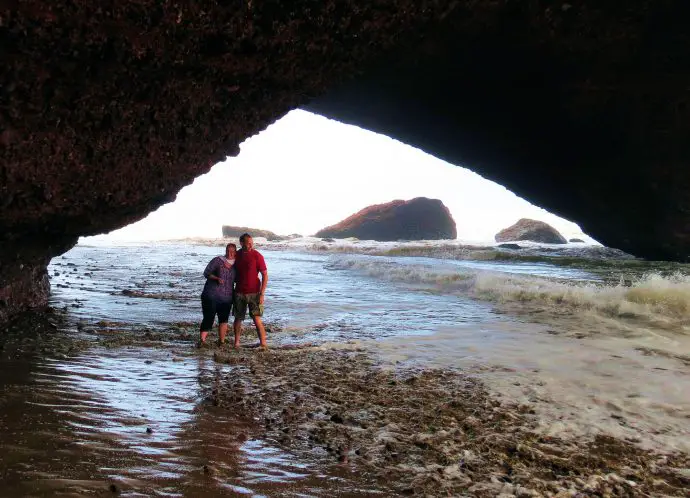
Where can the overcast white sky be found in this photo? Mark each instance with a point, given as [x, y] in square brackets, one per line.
[306, 172]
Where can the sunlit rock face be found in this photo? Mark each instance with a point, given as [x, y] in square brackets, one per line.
[107, 109]
[416, 219]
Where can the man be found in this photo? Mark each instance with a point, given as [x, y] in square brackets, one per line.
[249, 291]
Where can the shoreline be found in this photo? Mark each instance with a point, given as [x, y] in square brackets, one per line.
[579, 386]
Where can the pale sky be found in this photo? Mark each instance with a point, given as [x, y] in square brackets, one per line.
[306, 172]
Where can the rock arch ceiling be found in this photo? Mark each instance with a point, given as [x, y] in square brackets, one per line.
[107, 109]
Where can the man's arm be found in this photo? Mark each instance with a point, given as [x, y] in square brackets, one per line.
[264, 282]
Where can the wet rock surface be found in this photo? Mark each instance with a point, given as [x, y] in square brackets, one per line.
[416, 219]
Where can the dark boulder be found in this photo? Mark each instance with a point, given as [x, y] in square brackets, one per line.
[576, 241]
[531, 230]
[235, 232]
[509, 246]
[416, 219]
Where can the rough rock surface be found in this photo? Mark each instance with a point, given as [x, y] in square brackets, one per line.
[108, 108]
[531, 230]
[416, 219]
[235, 232]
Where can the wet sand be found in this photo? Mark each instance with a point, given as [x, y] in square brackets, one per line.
[430, 431]
[579, 386]
[109, 410]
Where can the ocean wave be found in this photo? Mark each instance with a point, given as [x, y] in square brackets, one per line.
[657, 299]
[651, 295]
[573, 255]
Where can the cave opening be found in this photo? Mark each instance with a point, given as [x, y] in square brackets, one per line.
[306, 172]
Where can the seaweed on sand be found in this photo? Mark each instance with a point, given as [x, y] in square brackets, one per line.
[429, 432]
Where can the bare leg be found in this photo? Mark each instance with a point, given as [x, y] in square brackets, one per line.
[222, 330]
[260, 330]
[237, 327]
[202, 338]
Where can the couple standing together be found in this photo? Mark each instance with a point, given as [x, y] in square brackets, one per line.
[232, 282]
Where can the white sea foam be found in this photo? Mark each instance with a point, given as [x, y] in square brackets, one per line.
[664, 300]
[651, 295]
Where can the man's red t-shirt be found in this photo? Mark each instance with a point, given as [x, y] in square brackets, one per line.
[248, 264]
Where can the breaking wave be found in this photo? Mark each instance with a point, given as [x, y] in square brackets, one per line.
[663, 300]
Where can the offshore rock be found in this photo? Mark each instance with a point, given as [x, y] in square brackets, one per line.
[531, 230]
[236, 232]
[416, 219]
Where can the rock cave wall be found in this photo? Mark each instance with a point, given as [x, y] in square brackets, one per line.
[107, 109]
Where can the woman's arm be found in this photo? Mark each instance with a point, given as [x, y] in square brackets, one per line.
[211, 271]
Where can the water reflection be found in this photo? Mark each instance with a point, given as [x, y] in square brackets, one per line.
[136, 419]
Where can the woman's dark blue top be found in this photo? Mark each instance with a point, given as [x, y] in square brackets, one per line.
[214, 290]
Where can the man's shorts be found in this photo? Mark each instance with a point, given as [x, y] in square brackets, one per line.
[242, 301]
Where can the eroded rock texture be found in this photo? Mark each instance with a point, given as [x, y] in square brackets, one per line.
[416, 219]
[108, 108]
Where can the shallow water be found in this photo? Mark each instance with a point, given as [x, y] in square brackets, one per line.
[567, 336]
[138, 419]
[310, 296]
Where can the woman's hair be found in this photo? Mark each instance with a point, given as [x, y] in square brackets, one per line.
[230, 245]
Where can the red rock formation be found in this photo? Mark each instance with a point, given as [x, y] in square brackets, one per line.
[416, 219]
[532, 230]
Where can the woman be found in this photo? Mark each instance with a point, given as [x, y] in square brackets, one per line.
[216, 299]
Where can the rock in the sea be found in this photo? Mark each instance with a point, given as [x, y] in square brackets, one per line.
[416, 219]
[532, 230]
[509, 246]
[230, 232]
[575, 241]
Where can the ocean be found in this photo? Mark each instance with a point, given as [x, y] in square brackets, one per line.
[589, 335]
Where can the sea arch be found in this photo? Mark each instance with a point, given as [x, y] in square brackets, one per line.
[108, 109]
